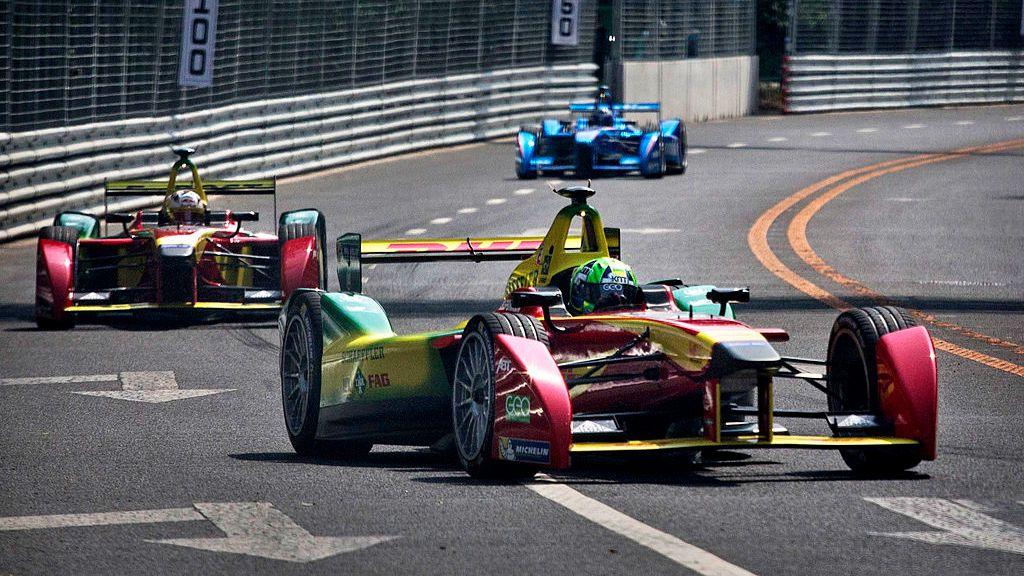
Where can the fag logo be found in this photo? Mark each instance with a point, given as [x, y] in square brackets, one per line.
[517, 409]
[504, 365]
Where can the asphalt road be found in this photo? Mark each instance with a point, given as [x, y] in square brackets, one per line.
[945, 238]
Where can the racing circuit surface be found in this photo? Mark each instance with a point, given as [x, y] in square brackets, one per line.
[206, 481]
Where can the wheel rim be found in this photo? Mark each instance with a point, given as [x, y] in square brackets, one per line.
[295, 377]
[471, 398]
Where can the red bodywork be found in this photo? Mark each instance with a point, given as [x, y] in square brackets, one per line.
[908, 386]
[300, 265]
[54, 278]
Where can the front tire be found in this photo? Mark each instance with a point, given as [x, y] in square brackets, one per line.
[301, 355]
[473, 393]
[853, 382]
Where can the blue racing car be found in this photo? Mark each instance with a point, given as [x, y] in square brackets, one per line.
[602, 141]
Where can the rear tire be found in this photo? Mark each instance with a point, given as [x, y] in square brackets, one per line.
[301, 355]
[473, 393]
[288, 232]
[44, 315]
[853, 381]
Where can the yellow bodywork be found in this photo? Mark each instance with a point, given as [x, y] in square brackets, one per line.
[745, 442]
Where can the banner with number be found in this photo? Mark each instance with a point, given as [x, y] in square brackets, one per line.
[198, 40]
[565, 19]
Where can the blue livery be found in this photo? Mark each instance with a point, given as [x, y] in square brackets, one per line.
[601, 141]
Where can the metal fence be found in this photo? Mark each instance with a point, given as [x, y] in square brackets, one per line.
[674, 29]
[91, 88]
[902, 26]
[78, 61]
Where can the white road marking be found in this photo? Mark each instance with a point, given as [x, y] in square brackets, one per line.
[821, 134]
[905, 199]
[415, 231]
[58, 380]
[523, 191]
[683, 553]
[958, 525]
[371, 267]
[963, 122]
[555, 182]
[468, 210]
[736, 145]
[867, 130]
[913, 126]
[152, 388]
[496, 201]
[962, 283]
[1014, 118]
[778, 139]
[696, 151]
[440, 220]
[99, 519]
[259, 529]
[534, 232]
[650, 230]
[252, 528]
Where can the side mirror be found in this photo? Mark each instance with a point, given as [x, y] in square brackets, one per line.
[120, 217]
[722, 296]
[245, 216]
[543, 297]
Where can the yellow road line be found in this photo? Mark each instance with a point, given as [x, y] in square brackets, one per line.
[757, 239]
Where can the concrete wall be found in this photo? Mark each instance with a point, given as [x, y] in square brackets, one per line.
[695, 89]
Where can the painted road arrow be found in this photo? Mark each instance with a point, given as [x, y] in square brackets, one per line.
[960, 523]
[150, 387]
[252, 528]
[259, 529]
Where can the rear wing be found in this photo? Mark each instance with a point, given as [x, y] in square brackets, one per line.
[634, 107]
[262, 187]
[353, 251]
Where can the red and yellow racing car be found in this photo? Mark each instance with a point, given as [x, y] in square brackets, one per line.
[183, 256]
[581, 359]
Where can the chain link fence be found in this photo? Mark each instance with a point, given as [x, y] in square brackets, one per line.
[81, 61]
[902, 26]
[674, 29]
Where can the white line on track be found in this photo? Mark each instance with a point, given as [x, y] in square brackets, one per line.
[963, 122]
[467, 210]
[59, 379]
[100, 519]
[555, 182]
[696, 151]
[415, 231]
[523, 191]
[1014, 118]
[913, 126]
[821, 134]
[867, 130]
[680, 552]
[496, 201]
[736, 145]
[440, 220]
[778, 139]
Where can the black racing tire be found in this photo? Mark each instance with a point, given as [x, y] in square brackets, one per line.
[288, 232]
[68, 235]
[473, 393]
[853, 381]
[664, 166]
[681, 168]
[301, 356]
[584, 163]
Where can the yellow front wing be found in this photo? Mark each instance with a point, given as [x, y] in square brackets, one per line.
[196, 306]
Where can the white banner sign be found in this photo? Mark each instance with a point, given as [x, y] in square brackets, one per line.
[565, 21]
[198, 40]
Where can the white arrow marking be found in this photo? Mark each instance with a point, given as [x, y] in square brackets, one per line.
[151, 387]
[58, 380]
[100, 519]
[959, 525]
[259, 529]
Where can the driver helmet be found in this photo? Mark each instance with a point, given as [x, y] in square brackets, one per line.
[602, 284]
[185, 207]
[602, 116]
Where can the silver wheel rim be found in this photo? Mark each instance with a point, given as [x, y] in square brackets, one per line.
[471, 398]
[295, 377]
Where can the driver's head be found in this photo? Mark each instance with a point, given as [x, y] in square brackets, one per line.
[602, 116]
[185, 207]
[602, 284]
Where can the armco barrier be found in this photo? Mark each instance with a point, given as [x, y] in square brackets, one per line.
[818, 83]
[46, 171]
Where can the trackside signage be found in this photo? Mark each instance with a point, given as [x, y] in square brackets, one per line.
[198, 40]
[565, 19]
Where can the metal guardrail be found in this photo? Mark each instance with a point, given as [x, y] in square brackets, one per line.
[819, 83]
[46, 171]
